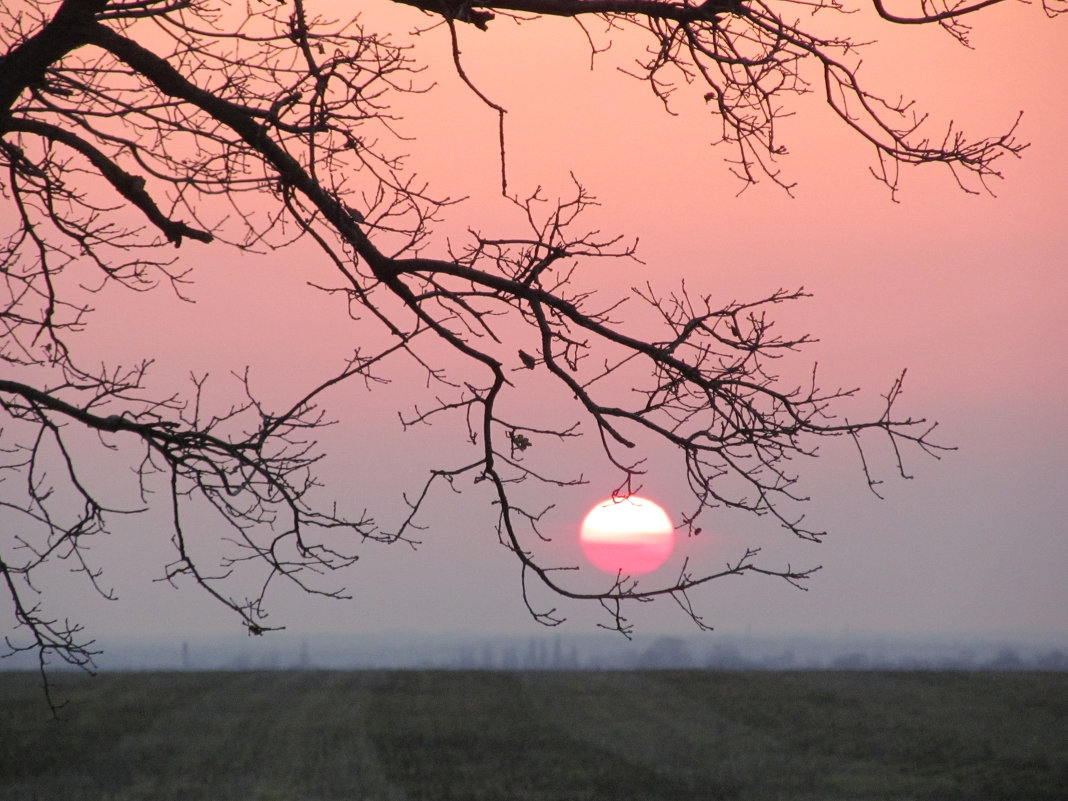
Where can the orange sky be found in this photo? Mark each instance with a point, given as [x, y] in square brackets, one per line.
[967, 292]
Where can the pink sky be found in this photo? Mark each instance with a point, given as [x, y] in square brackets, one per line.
[968, 292]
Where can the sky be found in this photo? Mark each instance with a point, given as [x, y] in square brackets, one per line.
[968, 292]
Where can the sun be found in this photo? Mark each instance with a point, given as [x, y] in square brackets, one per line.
[632, 534]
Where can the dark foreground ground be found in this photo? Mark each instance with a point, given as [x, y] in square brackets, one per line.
[516, 736]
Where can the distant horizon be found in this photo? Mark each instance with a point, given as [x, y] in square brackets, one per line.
[549, 649]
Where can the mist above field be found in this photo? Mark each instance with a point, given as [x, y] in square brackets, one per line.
[576, 652]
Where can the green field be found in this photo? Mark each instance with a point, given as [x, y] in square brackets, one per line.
[672, 735]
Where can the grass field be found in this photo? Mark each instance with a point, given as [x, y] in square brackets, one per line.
[522, 736]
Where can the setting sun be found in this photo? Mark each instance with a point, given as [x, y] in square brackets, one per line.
[633, 534]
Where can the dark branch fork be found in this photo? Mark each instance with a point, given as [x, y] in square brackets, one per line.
[206, 112]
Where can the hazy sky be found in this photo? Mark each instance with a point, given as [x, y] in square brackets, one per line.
[967, 292]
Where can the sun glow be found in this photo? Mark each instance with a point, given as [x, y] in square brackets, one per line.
[633, 535]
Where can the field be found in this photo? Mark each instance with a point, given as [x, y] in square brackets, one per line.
[521, 736]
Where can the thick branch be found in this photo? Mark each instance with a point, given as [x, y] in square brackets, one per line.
[250, 126]
[131, 187]
[651, 9]
[25, 66]
[927, 19]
